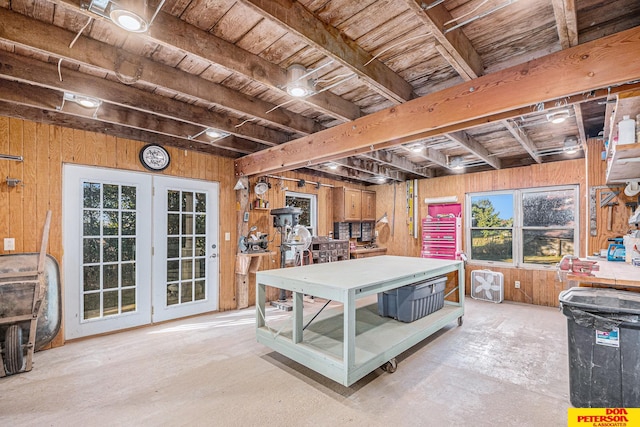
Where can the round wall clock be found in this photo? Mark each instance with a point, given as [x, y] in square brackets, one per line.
[154, 157]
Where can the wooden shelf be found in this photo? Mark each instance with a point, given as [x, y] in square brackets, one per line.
[619, 170]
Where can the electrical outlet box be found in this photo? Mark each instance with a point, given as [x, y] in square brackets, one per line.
[9, 244]
[517, 284]
[227, 236]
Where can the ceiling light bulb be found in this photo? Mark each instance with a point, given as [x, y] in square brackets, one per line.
[333, 166]
[558, 117]
[88, 102]
[297, 85]
[128, 20]
[416, 148]
[213, 133]
[297, 91]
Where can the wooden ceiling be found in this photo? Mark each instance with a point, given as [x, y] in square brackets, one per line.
[222, 64]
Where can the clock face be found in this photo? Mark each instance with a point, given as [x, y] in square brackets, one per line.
[154, 157]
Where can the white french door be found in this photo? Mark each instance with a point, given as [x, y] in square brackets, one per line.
[185, 263]
[135, 254]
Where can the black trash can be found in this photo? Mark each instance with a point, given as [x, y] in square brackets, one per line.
[603, 328]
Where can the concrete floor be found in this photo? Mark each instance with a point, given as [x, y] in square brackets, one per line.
[506, 366]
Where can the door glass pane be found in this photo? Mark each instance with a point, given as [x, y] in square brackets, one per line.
[186, 247]
[109, 260]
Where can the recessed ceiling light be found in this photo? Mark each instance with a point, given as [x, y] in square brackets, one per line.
[417, 148]
[558, 117]
[571, 145]
[333, 166]
[297, 84]
[128, 20]
[214, 133]
[456, 163]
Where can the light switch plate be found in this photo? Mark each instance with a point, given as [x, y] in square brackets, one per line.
[227, 236]
[9, 244]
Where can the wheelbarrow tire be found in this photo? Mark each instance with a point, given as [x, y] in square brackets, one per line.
[14, 358]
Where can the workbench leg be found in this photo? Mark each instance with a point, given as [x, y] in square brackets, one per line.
[261, 296]
[349, 327]
[298, 307]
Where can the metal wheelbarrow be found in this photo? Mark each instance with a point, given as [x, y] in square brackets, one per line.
[29, 305]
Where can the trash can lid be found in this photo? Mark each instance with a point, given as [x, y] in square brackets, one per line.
[602, 300]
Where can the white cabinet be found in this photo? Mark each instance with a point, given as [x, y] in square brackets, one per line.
[623, 161]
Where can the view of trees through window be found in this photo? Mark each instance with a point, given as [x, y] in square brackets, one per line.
[541, 230]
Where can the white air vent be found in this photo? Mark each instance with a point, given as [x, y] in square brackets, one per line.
[487, 285]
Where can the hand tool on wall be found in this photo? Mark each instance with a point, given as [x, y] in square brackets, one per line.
[606, 199]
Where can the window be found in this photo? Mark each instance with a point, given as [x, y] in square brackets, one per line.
[308, 217]
[536, 226]
[306, 202]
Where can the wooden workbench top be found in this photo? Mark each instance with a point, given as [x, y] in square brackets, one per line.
[611, 273]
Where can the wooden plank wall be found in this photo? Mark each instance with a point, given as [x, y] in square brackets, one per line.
[46, 148]
[596, 177]
[276, 197]
[539, 287]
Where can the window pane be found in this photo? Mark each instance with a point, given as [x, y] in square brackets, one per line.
[173, 201]
[128, 198]
[90, 251]
[172, 294]
[91, 278]
[173, 247]
[128, 249]
[91, 223]
[110, 302]
[173, 224]
[304, 204]
[110, 223]
[187, 292]
[490, 211]
[187, 202]
[110, 274]
[128, 300]
[91, 306]
[549, 208]
[173, 270]
[128, 274]
[201, 246]
[187, 224]
[200, 268]
[201, 224]
[492, 245]
[110, 250]
[91, 195]
[200, 290]
[110, 196]
[546, 246]
[201, 202]
[187, 269]
[128, 223]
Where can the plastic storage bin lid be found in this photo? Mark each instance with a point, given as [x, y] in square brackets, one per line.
[603, 300]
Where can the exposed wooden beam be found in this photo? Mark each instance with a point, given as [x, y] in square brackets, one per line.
[328, 40]
[18, 68]
[170, 31]
[373, 168]
[454, 46]
[566, 22]
[577, 108]
[582, 68]
[54, 41]
[523, 139]
[398, 162]
[475, 148]
[58, 118]
[21, 94]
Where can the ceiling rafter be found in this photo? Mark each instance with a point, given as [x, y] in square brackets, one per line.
[15, 67]
[566, 22]
[584, 67]
[375, 169]
[174, 33]
[53, 40]
[24, 95]
[523, 139]
[298, 20]
[477, 149]
[454, 46]
[398, 162]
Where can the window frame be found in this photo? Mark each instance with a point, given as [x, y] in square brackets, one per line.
[518, 228]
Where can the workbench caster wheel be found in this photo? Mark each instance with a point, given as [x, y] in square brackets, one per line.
[13, 356]
[460, 321]
[390, 366]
